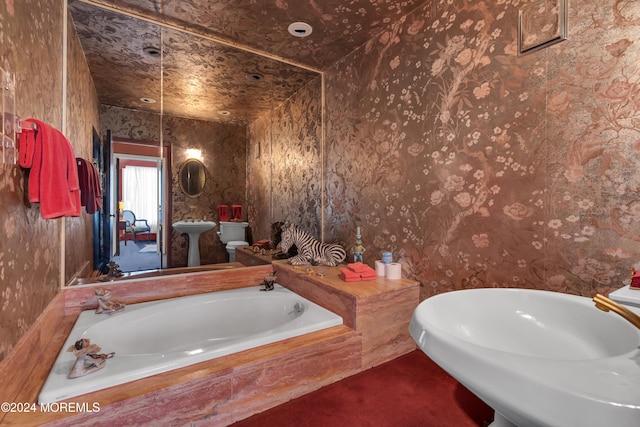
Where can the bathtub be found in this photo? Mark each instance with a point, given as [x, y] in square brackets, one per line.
[158, 336]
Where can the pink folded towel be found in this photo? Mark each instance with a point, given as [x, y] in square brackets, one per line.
[369, 275]
[635, 281]
[357, 271]
[358, 267]
[349, 274]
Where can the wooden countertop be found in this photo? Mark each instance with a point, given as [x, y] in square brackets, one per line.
[360, 289]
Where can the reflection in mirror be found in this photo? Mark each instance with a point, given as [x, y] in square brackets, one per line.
[192, 177]
[256, 120]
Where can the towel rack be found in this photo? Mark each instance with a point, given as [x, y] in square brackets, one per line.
[21, 125]
[24, 125]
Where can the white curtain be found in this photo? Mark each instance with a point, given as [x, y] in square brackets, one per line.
[140, 193]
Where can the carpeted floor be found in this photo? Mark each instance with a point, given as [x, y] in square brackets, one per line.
[410, 391]
[137, 256]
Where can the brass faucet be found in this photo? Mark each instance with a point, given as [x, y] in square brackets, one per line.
[605, 304]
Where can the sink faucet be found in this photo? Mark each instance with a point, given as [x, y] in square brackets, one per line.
[605, 304]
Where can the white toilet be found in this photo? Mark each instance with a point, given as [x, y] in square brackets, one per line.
[232, 234]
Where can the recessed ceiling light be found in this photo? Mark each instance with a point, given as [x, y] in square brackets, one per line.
[148, 100]
[224, 113]
[300, 29]
[254, 77]
[152, 51]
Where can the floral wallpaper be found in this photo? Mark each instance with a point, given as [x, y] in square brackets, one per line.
[479, 168]
[284, 181]
[30, 249]
[83, 117]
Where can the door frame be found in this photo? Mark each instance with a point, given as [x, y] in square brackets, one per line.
[145, 150]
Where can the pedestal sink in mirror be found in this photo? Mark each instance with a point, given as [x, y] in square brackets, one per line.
[193, 229]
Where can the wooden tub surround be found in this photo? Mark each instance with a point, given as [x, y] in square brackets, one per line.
[227, 389]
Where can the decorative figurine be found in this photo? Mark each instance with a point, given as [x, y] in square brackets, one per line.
[105, 305]
[358, 249]
[310, 250]
[269, 282]
[88, 360]
[113, 272]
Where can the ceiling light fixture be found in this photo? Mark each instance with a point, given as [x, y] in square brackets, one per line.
[300, 29]
[152, 51]
[224, 113]
[148, 100]
[254, 77]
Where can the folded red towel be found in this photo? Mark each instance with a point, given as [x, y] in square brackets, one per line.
[635, 281]
[350, 279]
[358, 267]
[369, 275]
[349, 273]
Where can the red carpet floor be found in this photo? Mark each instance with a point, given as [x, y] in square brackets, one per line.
[410, 391]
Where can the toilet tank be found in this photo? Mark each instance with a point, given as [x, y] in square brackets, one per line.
[230, 231]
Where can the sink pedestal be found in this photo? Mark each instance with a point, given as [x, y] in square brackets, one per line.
[193, 229]
[193, 257]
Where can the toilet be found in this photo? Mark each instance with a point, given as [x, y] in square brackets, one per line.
[232, 234]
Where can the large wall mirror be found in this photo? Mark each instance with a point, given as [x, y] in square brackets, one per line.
[170, 87]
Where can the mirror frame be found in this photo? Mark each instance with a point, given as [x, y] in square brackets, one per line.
[186, 180]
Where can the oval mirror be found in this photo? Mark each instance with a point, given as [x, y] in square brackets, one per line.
[192, 177]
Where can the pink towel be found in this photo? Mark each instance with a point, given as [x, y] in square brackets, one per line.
[358, 267]
[349, 275]
[365, 272]
[53, 180]
[635, 281]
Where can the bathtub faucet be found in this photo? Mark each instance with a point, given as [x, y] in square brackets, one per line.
[269, 282]
[105, 304]
[605, 304]
[113, 273]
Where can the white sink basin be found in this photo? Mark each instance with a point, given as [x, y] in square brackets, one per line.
[538, 358]
[193, 229]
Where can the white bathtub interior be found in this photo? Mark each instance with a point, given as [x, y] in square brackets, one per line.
[154, 337]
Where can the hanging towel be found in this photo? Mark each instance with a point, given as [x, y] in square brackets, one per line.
[26, 147]
[53, 180]
[90, 191]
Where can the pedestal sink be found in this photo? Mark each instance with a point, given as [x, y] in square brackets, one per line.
[193, 229]
[538, 358]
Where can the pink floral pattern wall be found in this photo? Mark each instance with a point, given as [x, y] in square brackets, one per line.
[479, 168]
[284, 181]
[30, 247]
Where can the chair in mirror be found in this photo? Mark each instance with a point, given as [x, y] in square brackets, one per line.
[135, 226]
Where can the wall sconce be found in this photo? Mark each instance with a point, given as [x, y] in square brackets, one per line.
[194, 153]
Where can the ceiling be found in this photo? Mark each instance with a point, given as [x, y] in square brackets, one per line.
[203, 77]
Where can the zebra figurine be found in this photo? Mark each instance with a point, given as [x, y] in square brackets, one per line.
[310, 250]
